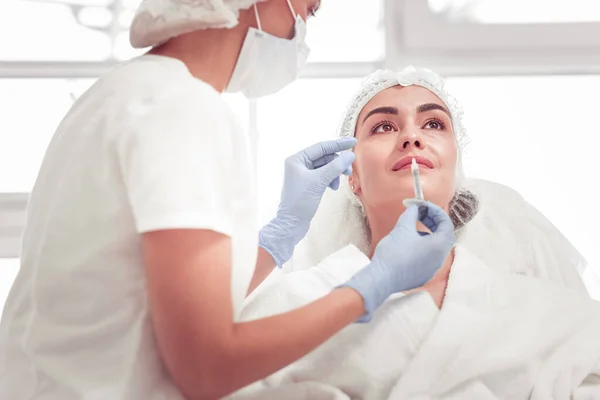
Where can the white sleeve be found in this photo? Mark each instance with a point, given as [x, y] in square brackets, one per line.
[590, 387]
[176, 163]
[362, 360]
[555, 258]
[286, 292]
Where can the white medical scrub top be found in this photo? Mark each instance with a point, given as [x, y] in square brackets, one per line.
[148, 147]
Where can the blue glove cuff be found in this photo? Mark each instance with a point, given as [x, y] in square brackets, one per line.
[273, 256]
[279, 238]
[373, 293]
[368, 314]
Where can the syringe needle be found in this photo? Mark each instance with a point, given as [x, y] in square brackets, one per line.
[414, 168]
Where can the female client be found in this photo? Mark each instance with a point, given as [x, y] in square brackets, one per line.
[506, 317]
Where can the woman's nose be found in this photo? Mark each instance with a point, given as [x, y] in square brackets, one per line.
[409, 143]
[409, 140]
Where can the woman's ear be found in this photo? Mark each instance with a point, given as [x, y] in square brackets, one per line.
[353, 181]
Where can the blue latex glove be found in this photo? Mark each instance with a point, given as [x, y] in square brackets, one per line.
[307, 175]
[405, 259]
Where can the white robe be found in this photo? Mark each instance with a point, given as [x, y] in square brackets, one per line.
[507, 234]
[516, 322]
[499, 335]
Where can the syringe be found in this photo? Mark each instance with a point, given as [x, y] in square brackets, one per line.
[414, 168]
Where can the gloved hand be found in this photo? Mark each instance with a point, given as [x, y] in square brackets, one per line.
[405, 259]
[307, 176]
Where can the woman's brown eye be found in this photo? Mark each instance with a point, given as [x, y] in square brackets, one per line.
[436, 125]
[385, 128]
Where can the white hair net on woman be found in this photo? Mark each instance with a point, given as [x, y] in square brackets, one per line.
[157, 21]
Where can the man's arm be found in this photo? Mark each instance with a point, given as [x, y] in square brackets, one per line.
[264, 266]
[208, 355]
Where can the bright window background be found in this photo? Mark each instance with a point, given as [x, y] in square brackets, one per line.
[539, 135]
[59, 35]
[294, 119]
[518, 11]
[95, 30]
[535, 134]
[66, 30]
[346, 30]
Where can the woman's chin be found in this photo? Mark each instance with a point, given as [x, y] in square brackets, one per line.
[440, 200]
[438, 192]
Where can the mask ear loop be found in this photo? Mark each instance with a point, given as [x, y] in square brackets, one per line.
[258, 18]
[292, 9]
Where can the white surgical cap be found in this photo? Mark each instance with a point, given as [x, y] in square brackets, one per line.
[464, 204]
[157, 21]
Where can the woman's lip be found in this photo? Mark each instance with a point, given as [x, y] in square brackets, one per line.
[405, 162]
[420, 166]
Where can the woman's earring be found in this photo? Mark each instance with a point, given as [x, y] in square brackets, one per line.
[353, 187]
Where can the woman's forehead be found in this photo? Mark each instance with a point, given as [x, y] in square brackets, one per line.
[402, 97]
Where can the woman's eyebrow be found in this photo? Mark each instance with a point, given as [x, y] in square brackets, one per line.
[432, 106]
[381, 110]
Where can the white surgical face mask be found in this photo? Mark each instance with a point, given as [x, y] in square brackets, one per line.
[267, 63]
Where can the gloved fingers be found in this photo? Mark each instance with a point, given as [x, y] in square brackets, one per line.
[326, 160]
[330, 147]
[411, 202]
[409, 217]
[337, 167]
[335, 184]
[432, 216]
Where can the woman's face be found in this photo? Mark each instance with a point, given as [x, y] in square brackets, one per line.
[396, 125]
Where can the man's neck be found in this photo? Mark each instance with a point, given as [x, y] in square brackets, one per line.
[210, 55]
